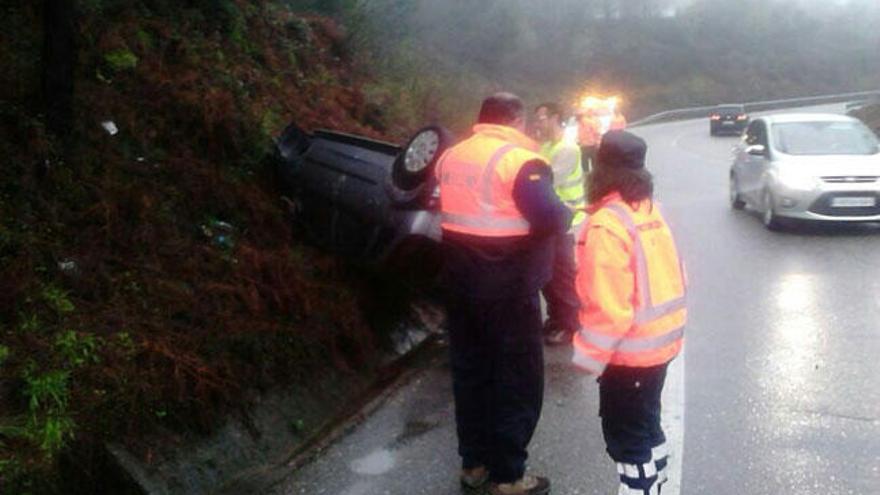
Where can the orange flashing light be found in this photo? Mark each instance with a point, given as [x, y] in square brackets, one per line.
[598, 103]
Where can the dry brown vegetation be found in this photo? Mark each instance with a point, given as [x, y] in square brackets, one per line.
[150, 277]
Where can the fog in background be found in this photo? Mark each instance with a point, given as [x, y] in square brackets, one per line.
[657, 54]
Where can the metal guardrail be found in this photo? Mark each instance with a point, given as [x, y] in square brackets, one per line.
[757, 106]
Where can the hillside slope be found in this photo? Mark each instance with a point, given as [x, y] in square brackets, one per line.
[150, 277]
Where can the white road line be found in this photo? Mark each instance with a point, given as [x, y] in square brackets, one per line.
[672, 420]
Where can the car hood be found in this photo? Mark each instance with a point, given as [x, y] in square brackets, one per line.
[833, 165]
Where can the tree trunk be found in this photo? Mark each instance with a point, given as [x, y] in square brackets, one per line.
[59, 62]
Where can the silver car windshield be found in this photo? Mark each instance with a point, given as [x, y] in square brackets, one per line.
[824, 138]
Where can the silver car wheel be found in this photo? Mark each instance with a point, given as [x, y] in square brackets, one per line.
[421, 151]
[736, 201]
[769, 218]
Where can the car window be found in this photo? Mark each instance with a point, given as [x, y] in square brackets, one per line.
[730, 109]
[762, 134]
[756, 134]
[824, 138]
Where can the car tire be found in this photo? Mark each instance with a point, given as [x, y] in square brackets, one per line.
[290, 146]
[407, 188]
[292, 141]
[768, 217]
[409, 180]
[736, 201]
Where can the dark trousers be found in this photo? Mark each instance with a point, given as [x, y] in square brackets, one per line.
[629, 404]
[588, 158]
[561, 295]
[497, 362]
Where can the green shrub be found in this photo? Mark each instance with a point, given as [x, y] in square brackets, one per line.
[29, 323]
[77, 349]
[48, 423]
[121, 60]
[58, 300]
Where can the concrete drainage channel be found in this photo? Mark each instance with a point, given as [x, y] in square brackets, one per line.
[261, 447]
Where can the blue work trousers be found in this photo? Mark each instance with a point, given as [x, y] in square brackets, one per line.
[496, 355]
[629, 404]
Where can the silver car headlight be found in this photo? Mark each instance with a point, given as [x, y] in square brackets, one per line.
[798, 181]
[421, 151]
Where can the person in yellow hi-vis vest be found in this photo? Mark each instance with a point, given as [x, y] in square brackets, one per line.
[568, 182]
[633, 311]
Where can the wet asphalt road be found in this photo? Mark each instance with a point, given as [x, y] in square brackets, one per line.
[780, 381]
[783, 352]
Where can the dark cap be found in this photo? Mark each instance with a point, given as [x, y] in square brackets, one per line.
[621, 149]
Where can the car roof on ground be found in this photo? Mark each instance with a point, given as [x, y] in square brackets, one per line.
[738, 106]
[783, 118]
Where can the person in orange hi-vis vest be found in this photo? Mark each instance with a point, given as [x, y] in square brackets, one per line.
[500, 217]
[632, 288]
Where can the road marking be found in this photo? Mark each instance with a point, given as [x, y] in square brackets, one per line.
[672, 420]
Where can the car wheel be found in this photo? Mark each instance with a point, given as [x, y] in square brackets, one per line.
[413, 168]
[417, 159]
[769, 217]
[289, 148]
[292, 141]
[736, 201]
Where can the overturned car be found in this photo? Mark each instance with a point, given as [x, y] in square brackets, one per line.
[369, 200]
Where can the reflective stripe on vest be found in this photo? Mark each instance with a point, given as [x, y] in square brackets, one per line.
[647, 310]
[486, 220]
[631, 344]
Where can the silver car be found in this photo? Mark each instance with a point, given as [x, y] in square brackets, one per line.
[821, 167]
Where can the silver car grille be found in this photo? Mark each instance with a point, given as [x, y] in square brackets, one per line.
[851, 179]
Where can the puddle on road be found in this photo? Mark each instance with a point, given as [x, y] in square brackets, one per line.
[382, 461]
[375, 463]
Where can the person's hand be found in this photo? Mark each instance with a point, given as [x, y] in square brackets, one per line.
[586, 371]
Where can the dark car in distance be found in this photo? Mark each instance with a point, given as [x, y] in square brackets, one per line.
[728, 119]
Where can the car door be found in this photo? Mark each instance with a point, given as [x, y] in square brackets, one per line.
[753, 167]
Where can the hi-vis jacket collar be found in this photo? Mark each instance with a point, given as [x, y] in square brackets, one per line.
[507, 134]
[608, 199]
